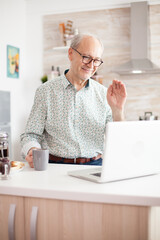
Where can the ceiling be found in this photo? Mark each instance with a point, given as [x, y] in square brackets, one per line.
[107, 2]
[45, 7]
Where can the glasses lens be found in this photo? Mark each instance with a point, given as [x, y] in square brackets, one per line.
[97, 63]
[87, 59]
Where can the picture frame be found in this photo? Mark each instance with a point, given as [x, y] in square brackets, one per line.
[12, 61]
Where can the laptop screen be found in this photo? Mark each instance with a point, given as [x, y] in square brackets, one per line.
[131, 148]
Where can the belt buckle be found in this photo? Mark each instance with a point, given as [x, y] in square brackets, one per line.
[74, 160]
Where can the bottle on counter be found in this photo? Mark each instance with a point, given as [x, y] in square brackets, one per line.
[58, 71]
[54, 73]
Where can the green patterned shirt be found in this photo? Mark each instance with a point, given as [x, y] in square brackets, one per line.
[68, 122]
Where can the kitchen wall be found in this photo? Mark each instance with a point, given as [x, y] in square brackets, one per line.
[13, 32]
[21, 25]
[113, 27]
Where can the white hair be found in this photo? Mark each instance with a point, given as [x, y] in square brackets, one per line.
[78, 38]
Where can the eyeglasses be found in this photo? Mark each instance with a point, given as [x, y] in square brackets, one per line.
[88, 59]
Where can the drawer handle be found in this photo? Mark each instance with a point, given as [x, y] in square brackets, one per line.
[33, 223]
[11, 222]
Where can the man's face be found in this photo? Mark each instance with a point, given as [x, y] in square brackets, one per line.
[90, 47]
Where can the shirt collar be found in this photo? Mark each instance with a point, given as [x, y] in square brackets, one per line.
[66, 83]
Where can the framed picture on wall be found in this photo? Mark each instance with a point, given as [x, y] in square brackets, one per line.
[12, 62]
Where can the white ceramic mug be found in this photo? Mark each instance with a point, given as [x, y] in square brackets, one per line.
[40, 159]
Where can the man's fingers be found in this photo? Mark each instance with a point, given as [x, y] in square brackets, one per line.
[116, 84]
[29, 159]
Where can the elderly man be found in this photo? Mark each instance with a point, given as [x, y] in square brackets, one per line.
[70, 112]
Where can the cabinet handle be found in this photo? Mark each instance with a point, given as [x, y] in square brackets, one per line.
[11, 222]
[33, 223]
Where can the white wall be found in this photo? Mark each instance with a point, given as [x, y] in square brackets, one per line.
[13, 32]
[21, 26]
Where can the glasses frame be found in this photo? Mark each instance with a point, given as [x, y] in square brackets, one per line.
[92, 59]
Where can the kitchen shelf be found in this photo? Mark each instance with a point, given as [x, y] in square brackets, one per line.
[63, 48]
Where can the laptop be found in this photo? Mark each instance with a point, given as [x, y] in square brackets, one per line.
[131, 150]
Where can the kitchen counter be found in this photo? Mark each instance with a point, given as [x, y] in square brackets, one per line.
[52, 205]
[56, 184]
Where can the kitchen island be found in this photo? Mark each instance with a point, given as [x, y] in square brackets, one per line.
[52, 205]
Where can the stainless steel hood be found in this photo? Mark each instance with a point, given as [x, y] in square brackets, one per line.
[140, 62]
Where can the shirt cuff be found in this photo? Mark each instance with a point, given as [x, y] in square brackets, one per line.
[28, 146]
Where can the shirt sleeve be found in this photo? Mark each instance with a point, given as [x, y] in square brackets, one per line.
[33, 135]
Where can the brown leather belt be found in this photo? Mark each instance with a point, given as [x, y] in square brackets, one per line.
[72, 160]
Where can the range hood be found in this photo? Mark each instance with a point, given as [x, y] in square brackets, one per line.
[140, 62]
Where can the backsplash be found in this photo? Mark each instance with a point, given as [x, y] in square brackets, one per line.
[113, 27]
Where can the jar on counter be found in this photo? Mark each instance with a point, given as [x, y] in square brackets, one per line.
[4, 155]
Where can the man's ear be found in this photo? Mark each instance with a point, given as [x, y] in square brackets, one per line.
[70, 53]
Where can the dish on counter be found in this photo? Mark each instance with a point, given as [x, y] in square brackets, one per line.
[16, 166]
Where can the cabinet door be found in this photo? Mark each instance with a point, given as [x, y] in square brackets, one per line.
[11, 217]
[73, 220]
[154, 230]
[49, 223]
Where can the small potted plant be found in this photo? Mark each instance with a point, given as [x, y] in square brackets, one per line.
[44, 79]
